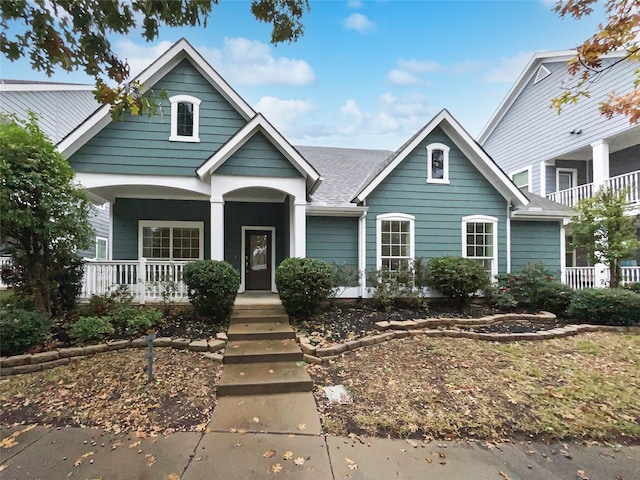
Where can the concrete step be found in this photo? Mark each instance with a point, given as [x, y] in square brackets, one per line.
[260, 331]
[259, 317]
[251, 351]
[264, 378]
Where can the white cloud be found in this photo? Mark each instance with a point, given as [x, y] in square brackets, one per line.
[403, 79]
[354, 3]
[140, 56]
[417, 66]
[358, 22]
[509, 68]
[284, 114]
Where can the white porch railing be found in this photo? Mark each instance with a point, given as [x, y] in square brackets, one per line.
[571, 196]
[4, 261]
[630, 275]
[147, 280]
[585, 277]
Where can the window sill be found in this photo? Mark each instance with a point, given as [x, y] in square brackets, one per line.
[184, 139]
[433, 180]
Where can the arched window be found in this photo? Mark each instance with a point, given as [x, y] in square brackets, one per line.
[185, 118]
[395, 245]
[437, 163]
[480, 241]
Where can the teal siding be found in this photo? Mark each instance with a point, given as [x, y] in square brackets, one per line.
[239, 214]
[438, 208]
[140, 145]
[333, 240]
[535, 242]
[127, 212]
[258, 157]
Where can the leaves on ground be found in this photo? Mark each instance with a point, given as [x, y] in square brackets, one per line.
[275, 468]
[301, 426]
[299, 461]
[269, 453]
[288, 455]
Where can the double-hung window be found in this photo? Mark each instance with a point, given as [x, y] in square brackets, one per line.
[102, 248]
[437, 163]
[480, 241]
[171, 240]
[185, 118]
[522, 178]
[395, 241]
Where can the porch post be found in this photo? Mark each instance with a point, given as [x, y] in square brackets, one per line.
[142, 280]
[300, 229]
[217, 229]
[600, 153]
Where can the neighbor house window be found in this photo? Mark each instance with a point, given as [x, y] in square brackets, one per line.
[522, 179]
[395, 241]
[102, 248]
[437, 163]
[185, 118]
[171, 240]
[480, 241]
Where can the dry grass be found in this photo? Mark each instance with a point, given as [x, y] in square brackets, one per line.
[583, 387]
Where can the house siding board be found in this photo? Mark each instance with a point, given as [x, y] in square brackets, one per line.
[100, 221]
[333, 240]
[239, 214]
[127, 212]
[535, 242]
[258, 157]
[438, 208]
[140, 145]
[531, 132]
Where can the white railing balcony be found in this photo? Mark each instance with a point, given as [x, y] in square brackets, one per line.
[580, 277]
[146, 280]
[630, 275]
[571, 196]
[630, 181]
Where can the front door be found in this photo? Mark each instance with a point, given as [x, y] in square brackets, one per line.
[257, 259]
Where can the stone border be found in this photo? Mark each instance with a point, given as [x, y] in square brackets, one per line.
[426, 327]
[36, 362]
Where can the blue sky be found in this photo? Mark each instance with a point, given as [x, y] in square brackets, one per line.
[366, 74]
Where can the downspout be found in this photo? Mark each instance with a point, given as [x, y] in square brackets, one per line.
[362, 253]
[508, 237]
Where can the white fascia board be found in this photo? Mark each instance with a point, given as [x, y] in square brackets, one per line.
[148, 78]
[258, 123]
[44, 87]
[90, 181]
[540, 215]
[324, 211]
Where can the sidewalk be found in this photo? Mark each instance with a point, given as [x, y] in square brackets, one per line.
[50, 453]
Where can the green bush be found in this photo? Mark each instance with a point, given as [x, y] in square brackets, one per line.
[304, 284]
[142, 320]
[606, 306]
[90, 329]
[213, 286]
[456, 278]
[634, 287]
[553, 297]
[386, 287]
[21, 329]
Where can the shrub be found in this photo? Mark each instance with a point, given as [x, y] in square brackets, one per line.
[553, 297]
[21, 329]
[606, 306]
[213, 286]
[457, 278]
[387, 287]
[304, 284]
[142, 320]
[634, 287]
[89, 329]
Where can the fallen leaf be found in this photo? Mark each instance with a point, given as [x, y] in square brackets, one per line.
[233, 430]
[428, 460]
[413, 443]
[173, 476]
[582, 475]
[135, 444]
[275, 468]
[2, 467]
[299, 461]
[505, 476]
[302, 426]
[9, 441]
[288, 455]
[442, 455]
[351, 464]
[271, 370]
[141, 434]
[150, 459]
[256, 420]
[78, 462]
[242, 431]
[269, 453]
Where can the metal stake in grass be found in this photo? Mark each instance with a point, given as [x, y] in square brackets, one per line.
[149, 339]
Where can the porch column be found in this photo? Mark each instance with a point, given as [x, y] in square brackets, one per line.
[600, 153]
[217, 229]
[300, 229]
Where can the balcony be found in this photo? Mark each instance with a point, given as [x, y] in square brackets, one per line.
[585, 277]
[571, 196]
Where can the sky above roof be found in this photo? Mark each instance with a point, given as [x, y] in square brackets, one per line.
[366, 74]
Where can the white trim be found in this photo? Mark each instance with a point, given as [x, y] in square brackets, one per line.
[216, 215]
[469, 147]
[542, 73]
[508, 237]
[106, 240]
[543, 179]
[91, 181]
[346, 211]
[445, 162]
[244, 229]
[170, 224]
[402, 217]
[44, 87]
[221, 185]
[111, 214]
[574, 176]
[563, 253]
[482, 219]
[349, 292]
[362, 253]
[175, 101]
[529, 171]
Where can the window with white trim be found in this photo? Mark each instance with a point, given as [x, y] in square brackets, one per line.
[480, 241]
[171, 240]
[102, 248]
[522, 178]
[437, 163]
[395, 241]
[185, 118]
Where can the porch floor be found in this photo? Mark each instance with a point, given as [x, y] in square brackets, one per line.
[257, 298]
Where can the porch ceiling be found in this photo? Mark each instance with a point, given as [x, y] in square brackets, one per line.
[618, 142]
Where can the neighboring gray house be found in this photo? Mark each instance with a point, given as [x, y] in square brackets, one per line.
[567, 157]
[60, 108]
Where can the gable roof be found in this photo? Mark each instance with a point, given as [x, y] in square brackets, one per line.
[469, 147]
[260, 124]
[179, 51]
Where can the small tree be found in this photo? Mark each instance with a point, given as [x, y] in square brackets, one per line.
[44, 216]
[600, 225]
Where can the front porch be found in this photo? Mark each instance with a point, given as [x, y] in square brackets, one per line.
[629, 181]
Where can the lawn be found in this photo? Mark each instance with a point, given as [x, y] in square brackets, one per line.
[585, 387]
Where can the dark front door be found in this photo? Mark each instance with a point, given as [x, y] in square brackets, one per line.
[257, 259]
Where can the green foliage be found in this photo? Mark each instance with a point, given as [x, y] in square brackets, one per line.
[386, 287]
[634, 287]
[213, 286]
[344, 276]
[44, 217]
[142, 320]
[603, 306]
[91, 329]
[457, 278]
[21, 329]
[601, 226]
[304, 284]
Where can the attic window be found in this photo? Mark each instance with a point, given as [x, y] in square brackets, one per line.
[542, 73]
[437, 163]
[185, 118]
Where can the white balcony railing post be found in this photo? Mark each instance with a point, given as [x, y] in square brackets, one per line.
[142, 280]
